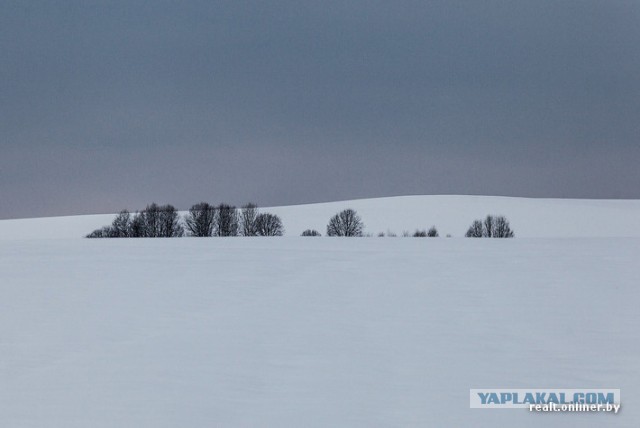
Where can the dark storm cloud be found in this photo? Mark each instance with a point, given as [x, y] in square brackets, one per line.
[108, 105]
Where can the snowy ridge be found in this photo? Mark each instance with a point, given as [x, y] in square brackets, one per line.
[451, 214]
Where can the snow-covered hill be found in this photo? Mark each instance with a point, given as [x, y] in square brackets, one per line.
[317, 332]
[299, 332]
[450, 214]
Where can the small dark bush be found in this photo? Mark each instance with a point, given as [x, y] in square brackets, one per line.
[104, 232]
[311, 232]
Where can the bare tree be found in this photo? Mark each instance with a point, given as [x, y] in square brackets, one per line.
[170, 224]
[121, 226]
[488, 227]
[150, 221]
[248, 216]
[199, 220]
[226, 221]
[345, 223]
[432, 232]
[475, 230]
[311, 232]
[160, 222]
[492, 227]
[137, 226]
[501, 228]
[268, 225]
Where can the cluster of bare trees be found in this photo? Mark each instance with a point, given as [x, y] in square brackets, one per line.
[491, 227]
[202, 220]
[155, 221]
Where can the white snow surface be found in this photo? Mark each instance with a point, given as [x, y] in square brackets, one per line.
[451, 214]
[317, 332]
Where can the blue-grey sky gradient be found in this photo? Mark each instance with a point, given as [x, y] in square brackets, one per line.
[111, 105]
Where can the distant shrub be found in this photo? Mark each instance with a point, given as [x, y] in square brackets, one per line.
[431, 233]
[268, 225]
[345, 223]
[104, 232]
[311, 232]
[492, 227]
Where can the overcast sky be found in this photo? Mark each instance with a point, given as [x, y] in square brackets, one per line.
[111, 105]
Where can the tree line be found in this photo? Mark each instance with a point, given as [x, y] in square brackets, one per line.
[204, 220]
